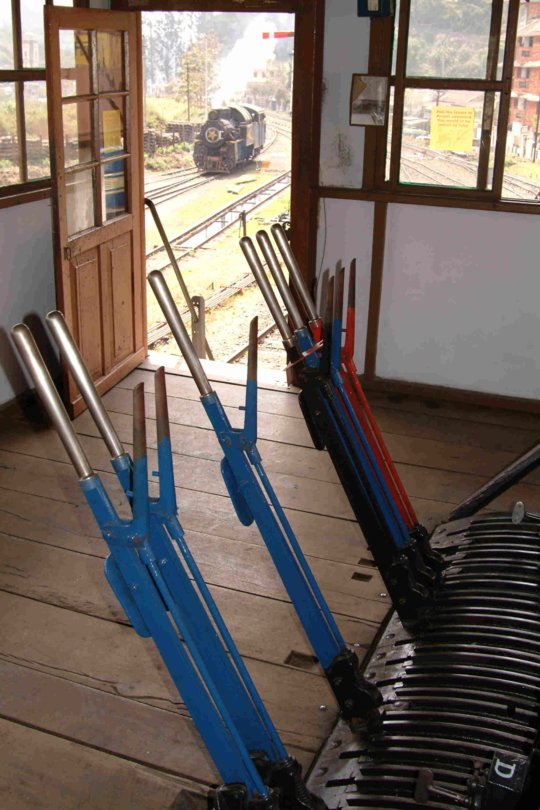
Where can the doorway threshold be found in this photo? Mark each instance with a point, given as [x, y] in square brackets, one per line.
[217, 371]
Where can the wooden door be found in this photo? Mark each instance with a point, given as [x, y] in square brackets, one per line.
[97, 175]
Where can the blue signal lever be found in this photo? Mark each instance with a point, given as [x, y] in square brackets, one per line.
[255, 501]
[153, 584]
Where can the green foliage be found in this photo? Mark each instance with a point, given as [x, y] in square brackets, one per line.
[160, 110]
[197, 74]
[35, 112]
[448, 39]
[177, 156]
[514, 167]
[8, 119]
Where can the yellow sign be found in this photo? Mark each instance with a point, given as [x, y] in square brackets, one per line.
[112, 129]
[452, 129]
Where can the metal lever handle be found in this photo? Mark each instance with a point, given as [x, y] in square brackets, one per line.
[281, 282]
[269, 296]
[282, 242]
[172, 258]
[50, 397]
[339, 290]
[72, 356]
[170, 310]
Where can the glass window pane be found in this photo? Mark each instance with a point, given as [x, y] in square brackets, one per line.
[112, 125]
[33, 51]
[75, 63]
[114, 185]
[80, 201]
[521, 179]
[449, 40]
[6, 37]
[504, 23]
[9, 150]
[395, 40]
[37, 133]
[442, 130]
[77, 130]
[110, 61]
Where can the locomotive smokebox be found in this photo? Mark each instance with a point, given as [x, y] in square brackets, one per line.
[229, 137]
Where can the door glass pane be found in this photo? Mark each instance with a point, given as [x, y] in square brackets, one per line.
[80, 201]
[6, 37]
[110, 61]
[32, 33]
[449, 40]
[77, 130]
[114, 185]
[112, 125]
[441, 137]
[9, 149]
[37, 133]
[75, 63]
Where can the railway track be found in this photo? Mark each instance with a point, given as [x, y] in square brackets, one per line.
[514, 188]
[190, 179]
[201, 233]
[213, 226]
[162, 329]
[218, 222]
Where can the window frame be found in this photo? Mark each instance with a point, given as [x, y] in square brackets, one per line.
[381, 61]
[25, 190]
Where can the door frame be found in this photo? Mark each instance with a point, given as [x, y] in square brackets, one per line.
[306, 105]
[56, 19]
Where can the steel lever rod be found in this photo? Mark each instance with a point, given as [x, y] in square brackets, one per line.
[50, 397]
[269, 296]
[281, 282]
[172, 258]
[166, 301]
[511, 474]
[72, 356]
[282, 242]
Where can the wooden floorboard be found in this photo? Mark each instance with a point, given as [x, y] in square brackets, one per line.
[89, 716]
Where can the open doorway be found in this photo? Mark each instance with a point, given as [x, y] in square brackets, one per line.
[206, 74]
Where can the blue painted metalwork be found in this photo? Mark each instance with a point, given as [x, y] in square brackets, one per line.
[360, 442]
[247, 484]
[153, 584]
[359, 455]
[242, 459]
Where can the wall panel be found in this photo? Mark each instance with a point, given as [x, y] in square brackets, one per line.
[460, 300]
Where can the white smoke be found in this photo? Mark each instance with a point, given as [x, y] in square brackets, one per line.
[248, 55]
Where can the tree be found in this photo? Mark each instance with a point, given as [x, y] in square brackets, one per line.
[197, 74]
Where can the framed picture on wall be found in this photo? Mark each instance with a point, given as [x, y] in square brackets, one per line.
[368, 100]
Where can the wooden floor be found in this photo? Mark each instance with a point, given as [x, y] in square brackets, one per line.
[89, 717]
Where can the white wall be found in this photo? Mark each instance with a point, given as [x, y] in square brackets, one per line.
[26, 281]
[345, 52]
[346, 233]
[460, 300]
[461, 288]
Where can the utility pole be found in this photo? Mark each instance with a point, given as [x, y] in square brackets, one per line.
[188, 93]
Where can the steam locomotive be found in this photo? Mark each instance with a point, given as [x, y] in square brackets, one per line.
[230, 136]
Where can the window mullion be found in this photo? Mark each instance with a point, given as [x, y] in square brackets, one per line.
[504, 108]
[488, 109]
[19, 89]
[399, 90]
[96, 126]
